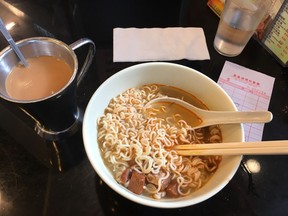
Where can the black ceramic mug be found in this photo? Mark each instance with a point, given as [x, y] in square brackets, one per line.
[55, 115]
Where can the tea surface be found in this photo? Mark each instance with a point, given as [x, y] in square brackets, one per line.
[44, 76]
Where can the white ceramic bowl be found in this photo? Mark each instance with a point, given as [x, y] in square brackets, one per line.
[179, 76]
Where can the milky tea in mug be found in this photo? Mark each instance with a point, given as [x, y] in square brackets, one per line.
[44, 76]
[238, 22]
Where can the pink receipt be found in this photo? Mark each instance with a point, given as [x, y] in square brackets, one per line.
[250, 90]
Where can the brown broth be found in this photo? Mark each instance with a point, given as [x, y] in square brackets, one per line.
[172, 109]
[175, 92]
[44, 76]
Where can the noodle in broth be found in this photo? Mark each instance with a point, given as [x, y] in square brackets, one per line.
[137, 143]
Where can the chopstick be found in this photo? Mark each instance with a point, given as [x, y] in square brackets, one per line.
[234, 148]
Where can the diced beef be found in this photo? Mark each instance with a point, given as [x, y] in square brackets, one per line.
[137, 182]
[154, 179]
[166, 182]
[131, 162]
[151, 178]
[171, 190]
[125, 176]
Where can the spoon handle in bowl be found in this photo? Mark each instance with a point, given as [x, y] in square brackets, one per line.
[238, 117]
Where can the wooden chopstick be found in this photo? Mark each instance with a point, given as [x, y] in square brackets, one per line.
[234, 148]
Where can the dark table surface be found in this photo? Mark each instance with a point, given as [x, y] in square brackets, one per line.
[30, 186]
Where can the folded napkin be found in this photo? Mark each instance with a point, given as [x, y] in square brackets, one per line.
[152, 44]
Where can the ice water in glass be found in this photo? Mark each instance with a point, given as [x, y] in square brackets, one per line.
[238, 22]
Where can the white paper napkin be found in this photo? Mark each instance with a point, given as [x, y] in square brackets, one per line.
[154, 44]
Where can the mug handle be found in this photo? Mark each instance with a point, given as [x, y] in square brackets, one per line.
[89, 56]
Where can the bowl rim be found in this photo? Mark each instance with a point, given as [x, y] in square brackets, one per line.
[168, 203]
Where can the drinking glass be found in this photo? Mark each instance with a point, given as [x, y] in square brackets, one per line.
[238, 22]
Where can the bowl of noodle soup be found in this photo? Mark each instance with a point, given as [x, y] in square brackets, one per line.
[114, 127]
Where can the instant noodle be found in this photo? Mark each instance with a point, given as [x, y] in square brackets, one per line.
[137, 143]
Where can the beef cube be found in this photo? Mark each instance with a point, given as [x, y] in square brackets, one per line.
[166, 182]
[137, 182]
[125, 176]
[171, 190]
[154, 178]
